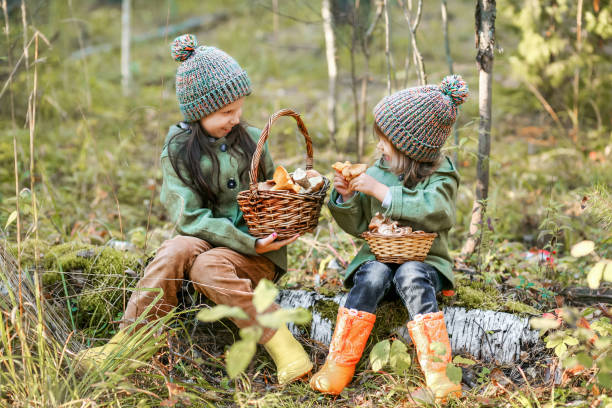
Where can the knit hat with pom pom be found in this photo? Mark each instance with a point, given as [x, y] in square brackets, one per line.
[417, 121]
[207, 79]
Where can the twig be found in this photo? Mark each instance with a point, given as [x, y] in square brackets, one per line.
[545, 104]
[413, 25]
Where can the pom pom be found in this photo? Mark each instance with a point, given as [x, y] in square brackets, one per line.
[455, 88]
[183, 47]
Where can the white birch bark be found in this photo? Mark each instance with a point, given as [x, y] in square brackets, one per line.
[332, 70]
[125, 46]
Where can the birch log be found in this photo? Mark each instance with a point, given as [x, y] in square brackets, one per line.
[482, 334]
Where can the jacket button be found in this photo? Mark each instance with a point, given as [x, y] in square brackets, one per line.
[223, 147]
[231, 183]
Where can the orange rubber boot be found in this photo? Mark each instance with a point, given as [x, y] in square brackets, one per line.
[428, 333]
[350, 337]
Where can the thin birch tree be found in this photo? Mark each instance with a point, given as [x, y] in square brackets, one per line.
[332, 70]
[125, 46]
[485, 43]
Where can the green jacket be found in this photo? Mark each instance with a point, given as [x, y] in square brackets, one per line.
[429, 206]
[222, 225]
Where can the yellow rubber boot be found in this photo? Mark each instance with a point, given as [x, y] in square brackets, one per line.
[351, 334]
[428, 333]
[92, 358]
[291, 360]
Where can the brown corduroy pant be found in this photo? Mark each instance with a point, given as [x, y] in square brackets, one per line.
[221, 274]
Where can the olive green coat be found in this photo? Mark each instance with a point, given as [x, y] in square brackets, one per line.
[222, 225]
[429, 206]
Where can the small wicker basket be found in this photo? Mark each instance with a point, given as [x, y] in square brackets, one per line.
[284, 212]
[400, 248]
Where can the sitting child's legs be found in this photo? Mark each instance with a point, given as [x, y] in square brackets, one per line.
[228, 277]
[417, 284]
[353, 326]
[371, 281]
[172, 262]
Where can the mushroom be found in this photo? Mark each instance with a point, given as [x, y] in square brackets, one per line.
[350, 171]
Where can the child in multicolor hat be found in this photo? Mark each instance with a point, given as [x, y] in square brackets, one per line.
[205, 163]
[415, 184]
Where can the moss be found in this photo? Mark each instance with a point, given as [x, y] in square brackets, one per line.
[477, 295]
[69, 256]
[514, 306]
[102, 274]
[28, 250]
[389, 316]
[328, 309]
[50, 278]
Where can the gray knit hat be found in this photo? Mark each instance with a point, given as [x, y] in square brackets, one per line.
[417, 121]
[207, 78]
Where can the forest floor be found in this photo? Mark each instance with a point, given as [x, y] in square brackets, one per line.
[96, 219]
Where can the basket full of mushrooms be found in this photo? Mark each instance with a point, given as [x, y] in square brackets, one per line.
[288, 204]
[391, 243]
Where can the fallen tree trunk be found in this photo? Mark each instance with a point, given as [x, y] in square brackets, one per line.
[485, 335]
[588, 296]
[200, 22]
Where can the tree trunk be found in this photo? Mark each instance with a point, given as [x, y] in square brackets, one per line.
[482, 334]
[485, 42]
[125, 46]
[332, 70]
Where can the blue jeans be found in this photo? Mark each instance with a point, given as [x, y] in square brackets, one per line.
[415, 282]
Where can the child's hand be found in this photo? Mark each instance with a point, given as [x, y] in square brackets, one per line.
[369, 185]
[267, 244]
[342, 186]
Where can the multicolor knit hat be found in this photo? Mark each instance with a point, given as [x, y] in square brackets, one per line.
[417, 121]
[207, 79]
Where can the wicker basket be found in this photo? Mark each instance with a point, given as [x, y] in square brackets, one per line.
[284, 212]
[400, 248]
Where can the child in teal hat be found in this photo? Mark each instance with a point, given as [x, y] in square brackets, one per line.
[415, 185]
[205, 162]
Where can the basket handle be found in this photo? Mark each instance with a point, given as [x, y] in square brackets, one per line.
[264, 136]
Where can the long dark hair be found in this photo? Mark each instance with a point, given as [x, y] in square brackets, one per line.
[413, 171]
[185, 150]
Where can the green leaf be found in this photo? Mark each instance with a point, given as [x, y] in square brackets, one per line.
[454, 373]
[281, 316]
[239, 356]
[560, 349]
[585, 360]
[463, 360]
[399, 359]
[251, 333]
[264, 295]
[582, 248]
[570, 341]
[542, 323]
[219, 312]
[439, 348]
[607, 274]
[379, 356]
[11, 218]
[605, 379]
[595, 274]
[554, 342]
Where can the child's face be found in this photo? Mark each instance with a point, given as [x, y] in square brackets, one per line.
[384, 148]
[219, 123]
